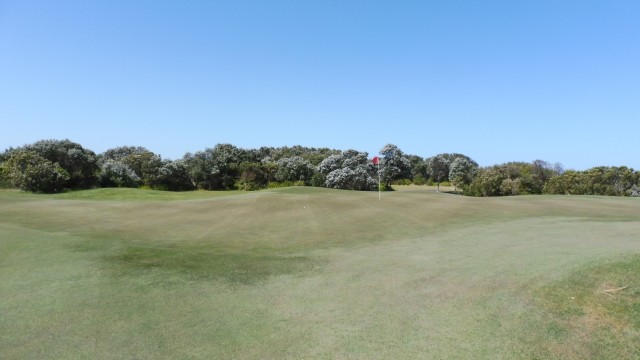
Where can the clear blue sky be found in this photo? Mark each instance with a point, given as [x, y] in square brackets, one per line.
[496, 80]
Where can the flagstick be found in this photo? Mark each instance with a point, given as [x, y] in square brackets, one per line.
[379, 189]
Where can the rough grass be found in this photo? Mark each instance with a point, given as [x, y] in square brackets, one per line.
[594, 313]
[316, 273]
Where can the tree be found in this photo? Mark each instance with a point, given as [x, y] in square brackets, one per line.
[394, 165]
[254, 176]
[418, 168]
[439, 169]
[601, 180]
[351, 179]
[294, 169]
[350, 170]
[144, 163]
[333, 162]
[487, 182]
[461, 172]
[118, 174]
[174, 176]
[80, 164]
[215, 168]
[29, 171]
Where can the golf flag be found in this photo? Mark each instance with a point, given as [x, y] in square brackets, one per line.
[376, 160]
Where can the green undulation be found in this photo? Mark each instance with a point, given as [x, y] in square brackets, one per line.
[313, 273]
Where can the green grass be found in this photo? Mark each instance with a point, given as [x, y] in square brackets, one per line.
[595, 311]
[317, 273]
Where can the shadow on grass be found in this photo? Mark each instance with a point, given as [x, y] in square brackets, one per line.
[234, 269]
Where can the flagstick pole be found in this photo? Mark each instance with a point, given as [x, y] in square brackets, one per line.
[379, 189]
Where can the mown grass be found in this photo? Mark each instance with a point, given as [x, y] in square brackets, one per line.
[316, 273]
[595, 311]
[121, 194]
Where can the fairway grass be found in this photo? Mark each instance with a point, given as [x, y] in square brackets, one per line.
[317, 273]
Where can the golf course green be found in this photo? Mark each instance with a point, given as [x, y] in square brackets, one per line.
[311, 273]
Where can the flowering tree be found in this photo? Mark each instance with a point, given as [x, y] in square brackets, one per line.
[461, 172]
[294, 169]
[394, 165]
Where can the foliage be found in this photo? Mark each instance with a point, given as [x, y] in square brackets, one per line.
[116, 173]
[253, 176]
[602, 180]
[461, 172]
[351, 179]
[80, 164]
[313, 155]
[318, 180]
[402, 182]
[294, 169]
[514, 178]
[281, 184]
[173, 176]
[214, 168]
[350, 169]
[419, 180]
[29, 171]
[394, 165]
[439, 168]
[144, 163]
[225, 167]
[331, 163]
[418, 167]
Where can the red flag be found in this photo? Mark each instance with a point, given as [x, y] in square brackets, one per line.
[376, 160]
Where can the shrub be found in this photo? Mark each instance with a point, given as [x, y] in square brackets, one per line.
[346, 178]
[174, 176]
[318, 180]
[253, 176]
[117, 174]
[280, 184]
[80, 164]
[294, 169]
[29, 171]
[419, 180]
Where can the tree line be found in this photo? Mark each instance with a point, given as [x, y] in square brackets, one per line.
[51, 166]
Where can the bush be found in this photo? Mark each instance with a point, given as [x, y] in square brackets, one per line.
[402, 182]
[346, 178]
[29, 171]
[253, 176]
[174, 176]
[117, 174]
[613, 181]
[80, 164]
[294, 169]
[318, 180]
[419, 180]
[281, 184]
[4, 181]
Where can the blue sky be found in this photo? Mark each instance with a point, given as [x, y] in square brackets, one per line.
[495, 80]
